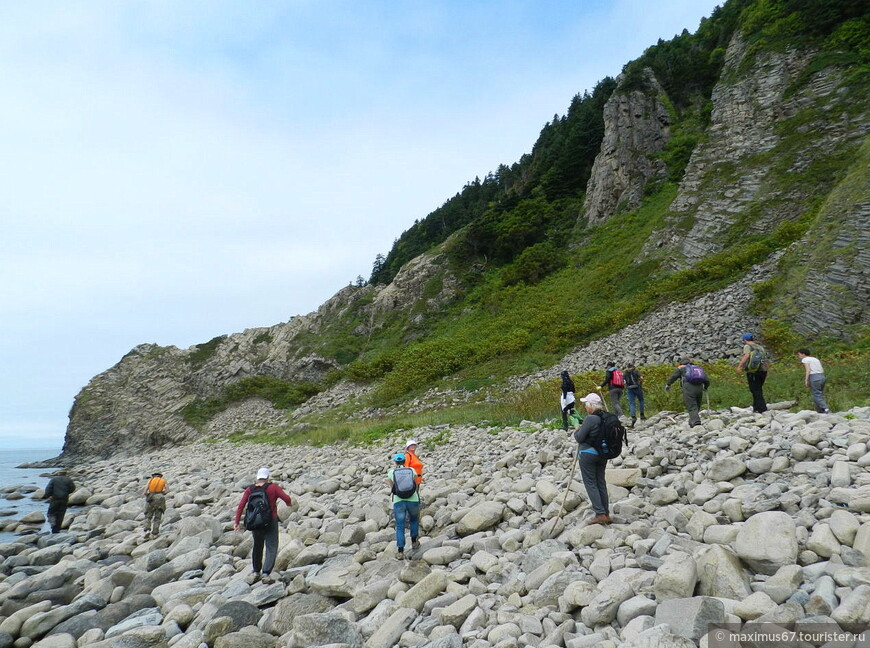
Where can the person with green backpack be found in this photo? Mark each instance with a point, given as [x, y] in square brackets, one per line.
[754, 363]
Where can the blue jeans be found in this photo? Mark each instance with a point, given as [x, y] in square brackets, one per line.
[402, 511]
[635, 392]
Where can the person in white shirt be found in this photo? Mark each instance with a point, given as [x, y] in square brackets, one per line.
[815, 379]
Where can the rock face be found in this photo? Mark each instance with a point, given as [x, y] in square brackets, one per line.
[636, 128]
[724, 546]
[138, 403]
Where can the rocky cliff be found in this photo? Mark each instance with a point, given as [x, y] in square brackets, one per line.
[139, 403]
[636, 129]
[777, 130]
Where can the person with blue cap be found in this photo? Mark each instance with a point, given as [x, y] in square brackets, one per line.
[754, 363]
[406, 502]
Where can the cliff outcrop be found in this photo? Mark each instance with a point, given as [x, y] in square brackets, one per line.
[140, 402]
[777, 130]
[636, 129]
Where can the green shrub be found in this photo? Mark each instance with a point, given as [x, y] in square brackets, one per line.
[205, 351]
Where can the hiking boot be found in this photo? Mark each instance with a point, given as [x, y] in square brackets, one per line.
[601, 518]
[415, 544]
[252, 578]
[267, 580]
[633, 421]
[400, 554]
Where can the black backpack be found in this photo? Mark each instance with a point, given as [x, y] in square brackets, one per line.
[404, 482]
[258, 513]
[609, 437]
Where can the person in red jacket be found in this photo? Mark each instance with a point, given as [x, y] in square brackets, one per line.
[268, 533]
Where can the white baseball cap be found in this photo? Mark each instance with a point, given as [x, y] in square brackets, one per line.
[592, 399]
[410, 443]
[263, 473]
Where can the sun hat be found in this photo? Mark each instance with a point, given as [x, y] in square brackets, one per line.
[263, 473]
[410, 443]
[398, 457]
[592, 399]
[748, 336]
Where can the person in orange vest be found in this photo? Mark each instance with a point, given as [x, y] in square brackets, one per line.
[412, 460]
[155, 504]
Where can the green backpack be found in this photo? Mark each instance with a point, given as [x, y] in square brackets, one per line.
[756, 360]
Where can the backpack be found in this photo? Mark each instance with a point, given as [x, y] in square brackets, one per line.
[617, 379]
[694, 375]
[258, 513]
[609, 437]
[756, 360]
[404, 482]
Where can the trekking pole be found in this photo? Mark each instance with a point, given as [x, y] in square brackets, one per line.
[574, 462]
[603, 400]
[707, 394]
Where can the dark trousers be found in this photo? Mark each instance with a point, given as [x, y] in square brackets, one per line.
[56, 511]
[267, 538]
[692, 399]
[756, 388]
[592, 471]
[635, 393]
[615, 396]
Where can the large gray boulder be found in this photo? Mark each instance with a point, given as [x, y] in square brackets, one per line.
[767, 541]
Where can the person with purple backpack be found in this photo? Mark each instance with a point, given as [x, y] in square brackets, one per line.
[694, 382]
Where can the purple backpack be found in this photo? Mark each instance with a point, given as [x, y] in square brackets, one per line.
[694, 375]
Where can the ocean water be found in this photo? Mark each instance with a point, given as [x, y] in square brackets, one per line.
[10, 476]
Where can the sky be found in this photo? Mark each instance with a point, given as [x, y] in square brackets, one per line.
[171, 172]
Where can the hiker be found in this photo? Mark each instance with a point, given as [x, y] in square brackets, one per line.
[592, 465]
[260, 504]
[694, 382]
[567, 399]
[155, 504]
[412, 460]
[634, 389]
[814, 379]
[614, 381]
[403, 482]
[754, 363]
[58, 490]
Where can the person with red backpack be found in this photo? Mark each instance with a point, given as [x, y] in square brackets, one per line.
[694, 382]
[260, 505]
[614, 381]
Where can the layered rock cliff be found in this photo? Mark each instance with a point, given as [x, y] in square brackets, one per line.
[636, 129]
[139, 403]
